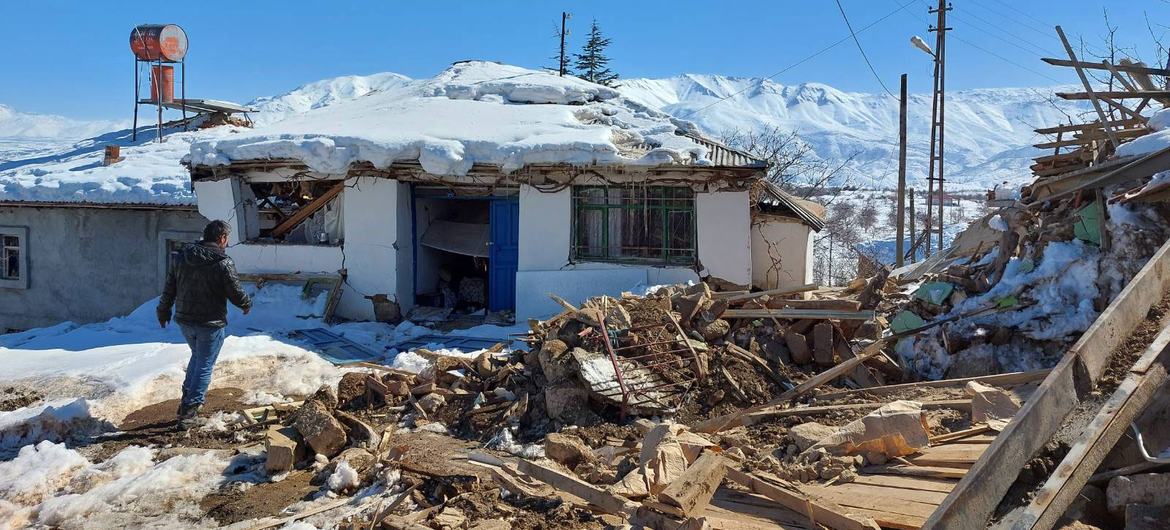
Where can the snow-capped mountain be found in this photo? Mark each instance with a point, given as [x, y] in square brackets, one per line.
[989, 132]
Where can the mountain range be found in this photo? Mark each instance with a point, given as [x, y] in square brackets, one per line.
[988, 131]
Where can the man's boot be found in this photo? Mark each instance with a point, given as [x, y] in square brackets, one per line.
[187, 416]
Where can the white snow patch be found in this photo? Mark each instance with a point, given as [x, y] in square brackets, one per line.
[343, 478]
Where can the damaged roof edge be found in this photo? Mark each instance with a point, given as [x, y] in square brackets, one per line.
[775, 198]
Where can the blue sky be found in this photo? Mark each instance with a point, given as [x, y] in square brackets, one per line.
[72, 58]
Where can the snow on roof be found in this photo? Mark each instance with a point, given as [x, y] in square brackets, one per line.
[474, 112]
[150, 173]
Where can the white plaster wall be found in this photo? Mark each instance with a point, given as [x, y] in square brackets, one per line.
[544, 267]
[781, 252]
[286, 259]
[220, 200]
[723, 220]
[372, 216]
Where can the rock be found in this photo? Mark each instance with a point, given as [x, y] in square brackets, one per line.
[896, 429]
[662, 459]
[351, 391]
[557, 366]
[450, 517]
[1146, 517]
[320, 430]
[822, 334]
[991, 405]
[283, 449]
[358, 430]
[326, 396]
[564, 399]
[1147, 488]
[398, 388]
[973, 362]
[631, 486]
[492, 524]
[798, 348]
[359, 459]
[735, 454]
[807, 435]
[432, 402]
[567, 449]
[714, 329]
[869, 330]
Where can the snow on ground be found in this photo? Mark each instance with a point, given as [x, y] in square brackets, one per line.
[473, 112]
[1155, 141]
[94, 375]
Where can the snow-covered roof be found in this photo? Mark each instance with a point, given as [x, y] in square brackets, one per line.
[474, 112]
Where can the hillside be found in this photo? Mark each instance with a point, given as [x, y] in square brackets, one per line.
[989, 131]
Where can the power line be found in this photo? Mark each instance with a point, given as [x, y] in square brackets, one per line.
[862, 50]
[1033, 45]
[1013, 8]
[802, 61]
[996, 55]
[1016, 20]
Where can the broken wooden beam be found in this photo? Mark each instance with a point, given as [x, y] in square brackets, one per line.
[820, 511]
[1094, 443]
[692, 491]
[1115, 94]
[607, 502]
[1001, 380]
[1104, 65]
[980, 491]
[307, 210]
[783, 291]
[795, 314]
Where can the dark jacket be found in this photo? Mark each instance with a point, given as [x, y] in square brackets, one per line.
[199, 283]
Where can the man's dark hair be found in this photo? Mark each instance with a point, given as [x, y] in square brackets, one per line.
[215, 229]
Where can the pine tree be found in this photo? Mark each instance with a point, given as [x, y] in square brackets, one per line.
[591, 62]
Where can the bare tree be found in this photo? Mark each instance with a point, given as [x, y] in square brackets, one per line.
[792, 164]
[867, 216]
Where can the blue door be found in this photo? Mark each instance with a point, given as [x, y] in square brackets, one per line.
[504, 255]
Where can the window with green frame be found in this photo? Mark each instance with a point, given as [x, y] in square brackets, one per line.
[635, 224]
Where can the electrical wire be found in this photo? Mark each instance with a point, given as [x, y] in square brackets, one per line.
[993, 54]
[1034, 48]
[862, 50]
[1041, 22]
[800, 62]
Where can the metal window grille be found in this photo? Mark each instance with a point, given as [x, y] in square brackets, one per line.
[10, 257]
[634, 224]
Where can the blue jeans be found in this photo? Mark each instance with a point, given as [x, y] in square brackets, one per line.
[205, 343]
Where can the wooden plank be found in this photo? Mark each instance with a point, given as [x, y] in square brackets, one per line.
[1103, 65]
[1089, 126]
[881, 492]
[692, 491]
[795, 314]
[909, 483]
[916, 471]
[305, 211]
[886, 504]
[737, 510]
[784, 291]
[1115, 94]
[1000, 380]
[732, 420]
[756, 417]
[825, 513]
[1088, 87]
[974, 499]
[1095, 441]
[958, 435]
[606, 501]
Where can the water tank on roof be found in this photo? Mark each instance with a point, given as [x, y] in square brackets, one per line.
[153, 42]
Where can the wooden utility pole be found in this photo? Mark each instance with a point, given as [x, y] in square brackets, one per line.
[937, 117]
[913, 240]
[564, 18]
[900, 245]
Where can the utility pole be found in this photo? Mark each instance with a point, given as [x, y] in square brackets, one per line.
[937, 118]
[913, 240]
[561, 64]
[900, 245]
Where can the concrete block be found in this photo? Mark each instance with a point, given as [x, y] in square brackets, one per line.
[1147, 488]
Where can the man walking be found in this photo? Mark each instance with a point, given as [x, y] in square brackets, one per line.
[199, 284]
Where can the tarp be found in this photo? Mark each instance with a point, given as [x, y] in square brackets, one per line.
[468, 239]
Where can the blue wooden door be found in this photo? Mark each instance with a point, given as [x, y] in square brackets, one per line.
[504, 255]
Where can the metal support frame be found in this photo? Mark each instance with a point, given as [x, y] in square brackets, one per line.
[937, 118]
[157, 102]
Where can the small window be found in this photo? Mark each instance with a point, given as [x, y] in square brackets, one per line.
[13, 257]
[635, 224]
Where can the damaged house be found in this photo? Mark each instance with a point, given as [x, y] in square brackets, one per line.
[488, 187]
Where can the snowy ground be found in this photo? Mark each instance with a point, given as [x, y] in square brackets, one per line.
[94, 375]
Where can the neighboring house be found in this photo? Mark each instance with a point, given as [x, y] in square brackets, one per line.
[84, 242]
[783, 227]
[487, 185]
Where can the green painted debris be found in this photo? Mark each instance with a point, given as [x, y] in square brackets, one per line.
[905, 321]
[1027, 265]
[1006, 302]
[1088, 225]
[934, 292]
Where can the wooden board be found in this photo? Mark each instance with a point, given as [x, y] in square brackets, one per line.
[908, 483]
[978, 493]
[825, 513]
[1098, 438]
[1000, 380]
